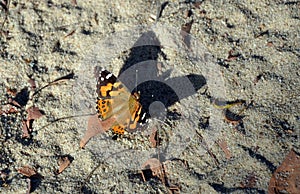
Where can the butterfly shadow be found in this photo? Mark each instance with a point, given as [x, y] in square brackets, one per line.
[142, 73]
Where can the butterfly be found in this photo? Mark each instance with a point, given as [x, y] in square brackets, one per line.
[116, 101]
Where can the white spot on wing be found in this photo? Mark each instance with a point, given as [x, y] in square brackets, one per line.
[108, 76]
[143, 116]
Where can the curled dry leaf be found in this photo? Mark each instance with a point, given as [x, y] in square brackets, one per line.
[221, 104]
[63, 163]
[155, 166]
[153, 138]
[95, 126]
[286, 178]
[31, 174]
[223, 145]
[34, 113]
[231, 117]
[27, 171]
[25, 129]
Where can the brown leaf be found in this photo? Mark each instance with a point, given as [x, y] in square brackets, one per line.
[232, 56]
[270, 44]
[185, 31]
[14, 102]
[70, 34]
[286, 178]
[27, 171]
[223, 145]
[197, 4]
[25, 129]
[153, 138]
[8, 109]
[187, 27]
[32, 84]
[95, 126]
[3, 175]
[34, 113]
[63, 163]
[74, 2]
[250, 181]
[12, 110]
[12, 92]
[155, 166]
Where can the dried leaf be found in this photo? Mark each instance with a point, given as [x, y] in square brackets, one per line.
[34, 113]
[221, 104]
[270, 44]
[25, 129]
[8, 109]
[197, 4]
[63, 163]
[250, 181]
[232, 56]
[154, 165]
[15, 103]
[95, 126]
[74, 2]
[12, 92]
[231, 117]
[159, 68]
[3, 175]
[153, 138]
[286, 178]
[27, 171]
[223, 145]
[70, 34]
[185, 30]
[32, 84]
[12, 110]
[187, 27]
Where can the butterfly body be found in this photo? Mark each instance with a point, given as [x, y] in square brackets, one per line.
[115, 100]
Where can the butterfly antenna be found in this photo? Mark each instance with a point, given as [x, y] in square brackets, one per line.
[136, 78]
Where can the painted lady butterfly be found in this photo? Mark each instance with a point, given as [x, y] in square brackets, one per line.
[115, 100]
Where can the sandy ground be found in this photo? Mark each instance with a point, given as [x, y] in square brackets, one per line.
[255, 57]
